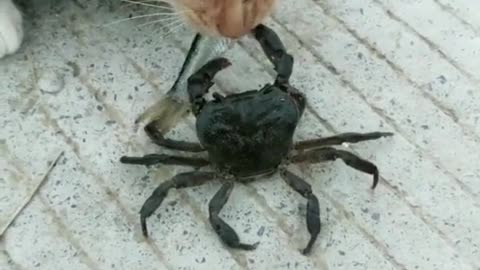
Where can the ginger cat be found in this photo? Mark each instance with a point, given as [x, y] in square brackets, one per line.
[227, 18]
[224, 18]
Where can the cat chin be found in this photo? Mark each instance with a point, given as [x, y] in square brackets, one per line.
[11, 29]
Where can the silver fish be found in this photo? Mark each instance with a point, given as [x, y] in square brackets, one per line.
[174, 105]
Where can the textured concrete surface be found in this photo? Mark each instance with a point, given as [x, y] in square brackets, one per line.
[405, 66]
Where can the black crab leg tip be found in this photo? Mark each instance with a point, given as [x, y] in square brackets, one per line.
[125, 159]
[306, 251]
[248, 247]
[386, 134]
[131, 160]
[375, 179]
[143, 222]
[309, 246]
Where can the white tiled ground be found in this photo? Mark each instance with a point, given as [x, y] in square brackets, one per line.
[407, 66]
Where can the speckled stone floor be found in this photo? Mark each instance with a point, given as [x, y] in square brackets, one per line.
[406, 66]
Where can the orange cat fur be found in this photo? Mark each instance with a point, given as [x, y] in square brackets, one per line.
[227, 18]
[221, 18]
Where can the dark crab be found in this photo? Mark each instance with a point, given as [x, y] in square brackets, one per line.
[247, 135]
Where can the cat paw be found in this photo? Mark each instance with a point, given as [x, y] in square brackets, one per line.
[11, 29]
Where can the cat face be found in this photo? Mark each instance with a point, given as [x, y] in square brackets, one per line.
[226, 18]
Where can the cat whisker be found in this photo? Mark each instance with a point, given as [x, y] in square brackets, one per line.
[169, 9]
[169, 15]
[157, 1]
[160, 6]
[172, 30]
[170, 20]
[169, 2]
[146, 4]
[169, 26]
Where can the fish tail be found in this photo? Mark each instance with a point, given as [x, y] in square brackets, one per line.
[165, 113]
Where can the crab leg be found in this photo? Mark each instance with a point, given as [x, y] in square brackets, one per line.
[313, 209]
[331, 154]
[226, 233]
[157, 137]
[349, 137]
[153, 159]
[182, 180]
[275, 51]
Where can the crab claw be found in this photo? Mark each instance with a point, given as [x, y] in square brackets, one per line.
[200, 82]
[275, 51]
[208, 71]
